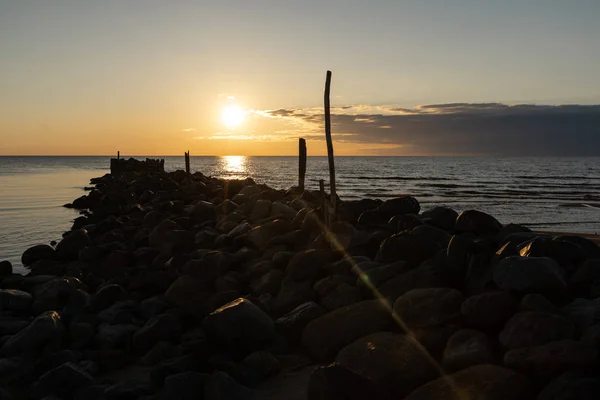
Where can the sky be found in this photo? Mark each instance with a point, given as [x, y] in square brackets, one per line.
[239, 77]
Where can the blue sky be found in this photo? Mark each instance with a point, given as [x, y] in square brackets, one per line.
[125, 71]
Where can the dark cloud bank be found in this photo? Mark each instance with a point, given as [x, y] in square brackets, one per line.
[486, 128]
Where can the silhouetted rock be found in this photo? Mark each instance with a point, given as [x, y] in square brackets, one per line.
[532, 328]
[36, 253]
[46, 331]
[525, 275]
[477, 222]
[424, 308]
[336, 382]
[62, 381]
[489, 311]
[466, 348]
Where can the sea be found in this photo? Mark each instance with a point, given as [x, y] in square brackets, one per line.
[553, 194]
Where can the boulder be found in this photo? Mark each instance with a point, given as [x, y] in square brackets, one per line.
[326, 335]
[261, 235]
[478, 382]
[307, 264]
[536, 302]
[282, 210]
[119, 336]
[336, 382]
[489, 311]
[523, 275]
[220, 386]
[424, 308]
[292, 294]
[572, 386]
[62, 381]
[477, 222]
[466, 348]
[268, 283]
[106, 296]
[203, 211]
[37, 253]
[164, 327]
[401, 247]
[54, 295]
[425, 276]
[15, 300]
[433, 234]
[549, 360]
[340, 295]
[585, 282]
[567, 254]
[188, 293]
[75, 241]
[261, 365]
[6, 268]
[261, 210]
[185, 386]
[532, 328]
[399, 206]
[373, 278]
[434, 339]
[440, 217]
[584, 312]
[293, 323]
[239, 327]
[134, 388]
[380, 356]
[46, 331]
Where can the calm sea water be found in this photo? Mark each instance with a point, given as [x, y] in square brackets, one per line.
[559, 194]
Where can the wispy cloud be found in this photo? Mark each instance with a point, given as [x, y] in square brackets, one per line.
[188, 130]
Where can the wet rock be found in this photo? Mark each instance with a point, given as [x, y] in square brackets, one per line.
[69, 247]
[239, 327]
[551, 359]
[407, 222]
[15, 300]
[5, 268]
[572, 386]
[440, 217]
[46, 331]
[466, 348]
[106, 296]
[164, 327]
[220, 386]
[477, 382]
[477, 222]
[425, 276]
[524, 275]
[423, 308]
[326, 335]
[188, 293]
[293, 323]
[185, 386]
[381, 355]
[489, 311]
[336, 382]
[292, 294]
[567, 254]
[532, 328]
[37, 253]
[400, 247]
[62, 381]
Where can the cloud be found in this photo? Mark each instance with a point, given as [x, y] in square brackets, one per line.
[462, 128]
[188, 130]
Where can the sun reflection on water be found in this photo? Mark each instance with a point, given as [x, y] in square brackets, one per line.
[234, 167]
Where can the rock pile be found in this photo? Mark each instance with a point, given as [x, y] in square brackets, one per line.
[177, 286]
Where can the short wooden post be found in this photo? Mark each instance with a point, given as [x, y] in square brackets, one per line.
[301, 163]
[187, 162]
[324, 205]
[332, 193]
[118, 155]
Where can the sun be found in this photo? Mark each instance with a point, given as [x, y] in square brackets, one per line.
[232, 116]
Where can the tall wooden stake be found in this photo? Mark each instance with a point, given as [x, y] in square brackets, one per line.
[118, 155]
[301, 163]
[332, 194]
[187, 162]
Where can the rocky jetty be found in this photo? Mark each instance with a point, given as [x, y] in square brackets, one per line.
[177, 286]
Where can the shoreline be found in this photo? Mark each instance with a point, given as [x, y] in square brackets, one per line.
[171, 284]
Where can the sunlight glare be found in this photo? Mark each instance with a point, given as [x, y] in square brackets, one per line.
[232, 116]
[234, 164]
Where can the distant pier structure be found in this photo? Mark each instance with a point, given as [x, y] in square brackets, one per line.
[121, 165]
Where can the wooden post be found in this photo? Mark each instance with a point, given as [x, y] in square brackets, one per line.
[324, 205]
[301, 163]
[332, 193]
[187, 162]
[118, 155]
